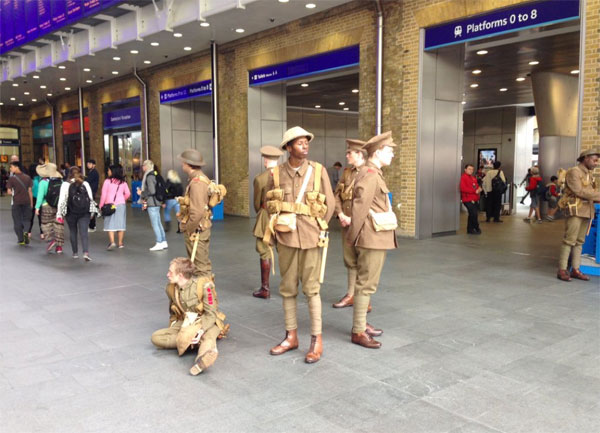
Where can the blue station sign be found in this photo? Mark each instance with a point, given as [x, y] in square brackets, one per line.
[122, 118]
[500, 22]
[182, 93]
[329, 61]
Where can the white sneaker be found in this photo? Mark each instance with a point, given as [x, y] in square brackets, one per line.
[157, 247]
[164, 245]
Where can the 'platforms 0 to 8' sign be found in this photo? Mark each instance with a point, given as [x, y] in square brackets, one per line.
[503, 21]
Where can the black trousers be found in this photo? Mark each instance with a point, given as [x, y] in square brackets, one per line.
[78, 224]
[473, 221]
[21, 214]
[493, 206]
[39, 217]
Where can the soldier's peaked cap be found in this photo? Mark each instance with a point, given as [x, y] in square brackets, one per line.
[354, 144]
[270, 152]
[293, 133]
[588, 152]
[378, 142]
[192, 157]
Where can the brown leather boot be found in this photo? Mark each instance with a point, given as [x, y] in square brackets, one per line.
[373, 332]
[290, 342]
[365, 340]
[576, 273]
[316, 349]
[563, 275]
[370, 308]
[264, 292]
[346, 301]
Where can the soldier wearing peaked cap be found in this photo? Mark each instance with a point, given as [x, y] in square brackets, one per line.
[270, 157]
[300, 202]
[371, 232]
[578, 199]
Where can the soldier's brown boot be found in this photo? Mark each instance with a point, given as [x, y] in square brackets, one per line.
[204, 361]
[290, 342]
[264, 292]
[576, 273]
[373, 332]
[346, 301]
[563, 275]
[316, 349]
[365, 340]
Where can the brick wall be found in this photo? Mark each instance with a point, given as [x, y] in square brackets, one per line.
[19, 117]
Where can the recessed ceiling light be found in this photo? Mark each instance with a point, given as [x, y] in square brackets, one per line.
[20, 104]
[575, 71]
[240, 30]
[476, 71]
[88, 81]
[482, 52]
[204, 24]
[354, 90]
[346, 108]
[187, 48]
[67, 88]
[310, 5]
[13, 99]
[15, 84]
[341, 103]
[1, 103]
[154, 44]
[134, 52]
[147, 62]
[317, 106]
[86, 69]
[48, 94]
[474, 85]
[520, 79]
[37, 77]
[62, 67]
[304, 84]
[62, 79]
[116, 58]
[283, 1]
[115, 72]
[503, 89]
[42, 87]
[534, 62]
[463, 102]
[33, 100]
[177, 35]
[25, 93]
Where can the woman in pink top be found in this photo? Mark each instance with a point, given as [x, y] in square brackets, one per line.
[115, 191]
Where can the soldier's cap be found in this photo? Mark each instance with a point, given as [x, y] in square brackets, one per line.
[293, 133]
[48, 170]
[588, 152]
[354, 145]
[378, 142]
[192, 157]
[270, 152]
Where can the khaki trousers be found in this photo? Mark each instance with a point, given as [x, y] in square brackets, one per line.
[262, 249]
[201, 261]
[350, 257]
[575, 232]
[369, 265]
[300, 266]
[166, 338]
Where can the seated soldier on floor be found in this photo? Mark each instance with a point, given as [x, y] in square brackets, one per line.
[195, 318]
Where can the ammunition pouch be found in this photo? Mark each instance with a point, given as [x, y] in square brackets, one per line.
[216, 194]
[384, 221]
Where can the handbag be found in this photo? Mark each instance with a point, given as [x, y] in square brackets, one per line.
[384, 221]
[110, 208]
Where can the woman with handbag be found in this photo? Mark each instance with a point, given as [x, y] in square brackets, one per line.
[115, 193]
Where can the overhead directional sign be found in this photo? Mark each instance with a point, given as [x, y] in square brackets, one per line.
[502, 21]
[182, 93]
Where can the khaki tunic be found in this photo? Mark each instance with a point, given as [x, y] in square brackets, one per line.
[370, 192]
[260, 191]
[307, 232]
[580, 184]
[346, 187]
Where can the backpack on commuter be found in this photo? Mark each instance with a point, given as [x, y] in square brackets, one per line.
[160, 193]
[498, 185]
[53, 193]
[78, 203]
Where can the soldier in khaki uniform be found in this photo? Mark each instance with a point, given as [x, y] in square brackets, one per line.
[300, 202]
[194, 315]
[195, 214]
[372, 233]
[578, 200]
[270, 156]
[355, 155]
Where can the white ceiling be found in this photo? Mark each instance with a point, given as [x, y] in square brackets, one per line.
[257, 16]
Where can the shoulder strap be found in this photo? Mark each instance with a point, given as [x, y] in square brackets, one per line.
[276, 176]
[304, 184]
[21, 182]
[317, 184]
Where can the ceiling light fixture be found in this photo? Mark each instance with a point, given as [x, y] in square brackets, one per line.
[354, 90]
[304, 84]
[134, 52]
[37, 77]
[147, 62]
[62, 67]
[284, 1]
[310, 6]
[62, 79]
[15, 84]
[187, 48]
[33, 100]
[25, 93]
[482, 52]
[240, 30]
[177, 35]
[115, 72]
[89, 81]
[20, 104]
[67, 88]
[346, 108]
[474, 85]
[154, 44]
[503, 89]
[575, 71]
[1, 103]
[48, 94]
[534, 62]
[317, 106]
[86, 69]
[42, 87]
[476, 71]
[463, 102]
[204, 24]
[520, 79]
[116, 58]
[13, 99]
[341, 103]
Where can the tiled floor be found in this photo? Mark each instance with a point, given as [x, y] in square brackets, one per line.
[479, 337]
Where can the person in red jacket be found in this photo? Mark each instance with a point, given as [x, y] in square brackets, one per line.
[553, 196]
[534, 206]
[469, 193]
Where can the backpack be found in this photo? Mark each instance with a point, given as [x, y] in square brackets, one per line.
[541, 190]
[53, 193]
[79, 200]
[160, 193]
[498, 185]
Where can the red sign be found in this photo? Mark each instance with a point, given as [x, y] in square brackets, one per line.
[71, 126]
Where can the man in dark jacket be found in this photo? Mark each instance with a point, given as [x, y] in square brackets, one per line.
[93, 179]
